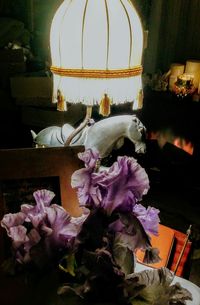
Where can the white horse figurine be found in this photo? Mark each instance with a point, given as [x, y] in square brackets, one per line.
[104, 135]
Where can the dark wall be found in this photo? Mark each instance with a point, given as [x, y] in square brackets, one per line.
[36, 16]
[174, 31]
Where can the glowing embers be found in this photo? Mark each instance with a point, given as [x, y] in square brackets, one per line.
[167, 136]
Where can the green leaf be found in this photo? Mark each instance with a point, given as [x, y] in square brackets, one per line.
[68, 264]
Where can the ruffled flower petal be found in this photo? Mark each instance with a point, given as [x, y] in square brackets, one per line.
[12, 220]
[130, 232]
[43, 198]
[122, 185]
[118, 188]
[80, 220]
[33, 239]
[18, 235]
[89, 157]
[62, 227]
[87, 192]
[148, 217]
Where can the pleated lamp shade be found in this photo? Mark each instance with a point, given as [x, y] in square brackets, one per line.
[96, 52]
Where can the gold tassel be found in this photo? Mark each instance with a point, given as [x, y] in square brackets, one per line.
[140, 98]
[61, 104]
[105, 105]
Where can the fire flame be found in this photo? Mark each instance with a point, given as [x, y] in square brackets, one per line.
[163, 137]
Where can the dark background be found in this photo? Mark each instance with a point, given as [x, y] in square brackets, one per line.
[173, 36]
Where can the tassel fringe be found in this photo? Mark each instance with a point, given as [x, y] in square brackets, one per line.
[105, 103]
[61, 104]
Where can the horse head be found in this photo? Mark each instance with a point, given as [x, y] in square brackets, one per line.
[136, 132]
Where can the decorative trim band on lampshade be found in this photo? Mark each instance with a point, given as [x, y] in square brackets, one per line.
[97, 73]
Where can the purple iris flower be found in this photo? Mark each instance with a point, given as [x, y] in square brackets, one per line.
[88, 193]
[12, 220]
[50, 223]
[130, 232]
[148, 217]
[19, 236]
[89, 157]
[117, 188]
[64, 228]
[122, 185]
[36, 213]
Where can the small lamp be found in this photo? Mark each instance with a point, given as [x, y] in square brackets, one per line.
[96, 51]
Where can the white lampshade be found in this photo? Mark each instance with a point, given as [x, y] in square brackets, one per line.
[96, 49]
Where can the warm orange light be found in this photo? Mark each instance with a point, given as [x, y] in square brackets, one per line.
[185, 145]
[163, 137]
